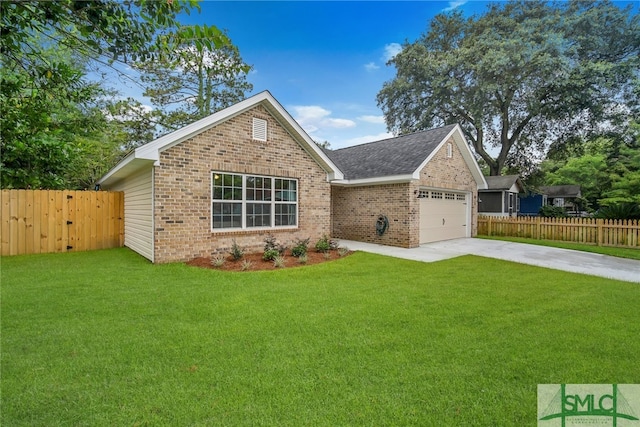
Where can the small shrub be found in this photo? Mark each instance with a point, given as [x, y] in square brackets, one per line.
[246, 265]
[278, 261]
[619, 211]
[327, 255]
[236, 251]
[303, 259]
[323, 245]
[272, 248]
[549, 211]
[218, 261]
[300, 247]
[343, 251]
[270, 254]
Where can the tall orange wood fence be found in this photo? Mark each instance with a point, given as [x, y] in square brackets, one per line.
[602, 232]
[40, 221]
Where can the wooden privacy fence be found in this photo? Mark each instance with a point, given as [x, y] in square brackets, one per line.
[40, 221]
[601, 232]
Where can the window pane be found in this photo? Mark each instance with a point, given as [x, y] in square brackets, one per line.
[258, 214]
[225, 187]
[285, 214]
[227, 215]
[286, 190]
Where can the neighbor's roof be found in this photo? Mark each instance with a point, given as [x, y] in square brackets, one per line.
[504, 182]
[399, 159]
[562, 191]
[150, 153]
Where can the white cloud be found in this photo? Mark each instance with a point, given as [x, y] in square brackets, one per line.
[391, 50]
[368, 138]
[372, 119]
[453, 5]
[371, 66]
[313, 118]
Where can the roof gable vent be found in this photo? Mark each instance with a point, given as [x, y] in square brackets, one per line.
[259, 129]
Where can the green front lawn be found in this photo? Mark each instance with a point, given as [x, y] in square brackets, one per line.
[630, 253]
[104, 338]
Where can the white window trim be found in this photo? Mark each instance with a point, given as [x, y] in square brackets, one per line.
[449, 150]
[245, 201]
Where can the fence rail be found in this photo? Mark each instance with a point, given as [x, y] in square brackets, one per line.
[601, 232]
[41, 221]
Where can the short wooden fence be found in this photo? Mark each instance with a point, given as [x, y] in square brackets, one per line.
[601, 232]
[41, 221]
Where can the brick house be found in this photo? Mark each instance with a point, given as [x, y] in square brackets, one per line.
[423, 187]
[250, 170]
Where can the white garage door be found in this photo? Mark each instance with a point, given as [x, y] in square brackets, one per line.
[443, 215]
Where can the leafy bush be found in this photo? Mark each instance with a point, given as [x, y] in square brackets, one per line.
[303, 259]
[549, 211]
[323, 245]
[236, 251]
[270, 254]
[619, 211]
[300, 247]
[272, 249]
[343, 251]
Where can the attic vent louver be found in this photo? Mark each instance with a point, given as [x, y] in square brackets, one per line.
[259, 129]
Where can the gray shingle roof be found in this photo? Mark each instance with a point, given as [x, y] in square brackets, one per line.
[394, 156]
[562, 191]
[500, 182]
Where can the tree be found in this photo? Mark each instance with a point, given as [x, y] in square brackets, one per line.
[54, 127]
[518, 77]
[98, 30]
[606, 167]
[42, 118]
[191, 81]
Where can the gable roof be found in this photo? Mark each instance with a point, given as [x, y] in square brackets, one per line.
[504, 182]
[150, 152]
[399, 159]
[562, 191]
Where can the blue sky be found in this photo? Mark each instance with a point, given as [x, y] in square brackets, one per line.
[325, 62]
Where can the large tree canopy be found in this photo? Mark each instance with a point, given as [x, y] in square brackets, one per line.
[57, 130]
[522, 75]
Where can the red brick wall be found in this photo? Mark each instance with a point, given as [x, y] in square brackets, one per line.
[182, 188]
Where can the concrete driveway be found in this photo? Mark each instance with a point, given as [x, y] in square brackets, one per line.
[542, 256]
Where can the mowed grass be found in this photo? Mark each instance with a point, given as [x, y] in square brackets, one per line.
[631, 253]
[104, 338]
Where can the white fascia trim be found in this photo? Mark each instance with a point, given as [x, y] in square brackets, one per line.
[151, 151]
[393, 179]
[316, 151]
[122, 163]
[467, 155]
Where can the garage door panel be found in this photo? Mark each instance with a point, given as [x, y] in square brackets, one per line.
[443, 216]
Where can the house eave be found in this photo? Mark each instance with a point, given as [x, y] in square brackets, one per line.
[151, 151]
[394, 179]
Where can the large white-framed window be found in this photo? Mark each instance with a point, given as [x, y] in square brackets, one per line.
[241, 201]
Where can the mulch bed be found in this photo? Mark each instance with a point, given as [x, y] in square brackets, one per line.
[257, 263]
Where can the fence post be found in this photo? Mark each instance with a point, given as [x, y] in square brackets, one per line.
[599, 223]
[489, 227]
